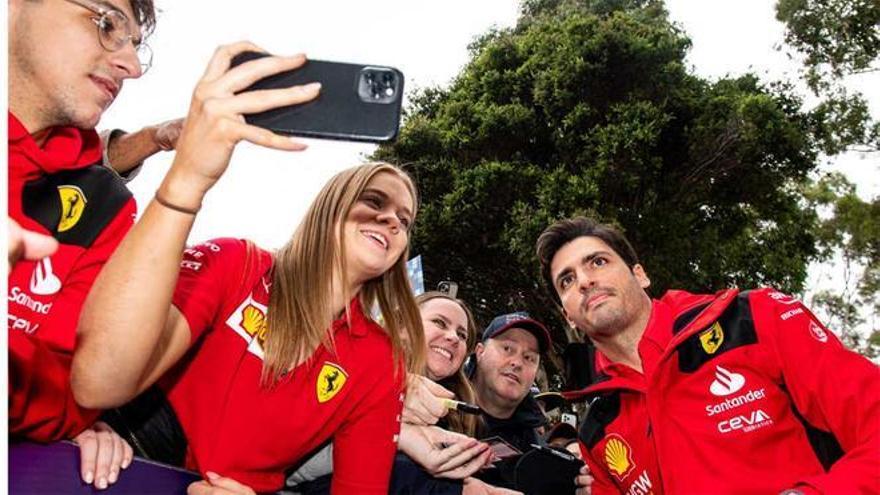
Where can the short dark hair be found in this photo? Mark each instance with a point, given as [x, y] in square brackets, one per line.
[564, 231]
[144, 15]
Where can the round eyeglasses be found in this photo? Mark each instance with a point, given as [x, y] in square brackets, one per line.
[114, 31]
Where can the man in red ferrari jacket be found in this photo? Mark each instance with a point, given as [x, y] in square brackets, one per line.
[736, 392]
[67, 62]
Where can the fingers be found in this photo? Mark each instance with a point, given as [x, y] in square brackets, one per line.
[127, 455]
[219, 63]
[242, 76]
[228, 484]
[38, 246]
[267, 99]
[470, 466]
[437, 390]
[198, 488]
[584, 481]
[266, 138]
[103, 459]
[497, 490]
[28, 245]
[463, 453]
[116, 462]
[167, 134]
[88, 452]
[422, 406]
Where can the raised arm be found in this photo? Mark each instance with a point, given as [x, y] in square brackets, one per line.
[129, 333]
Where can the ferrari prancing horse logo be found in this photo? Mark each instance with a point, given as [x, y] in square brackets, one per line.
[330, 381]
[712, 338]
[73, 203]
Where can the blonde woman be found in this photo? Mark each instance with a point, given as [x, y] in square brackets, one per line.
[262, 356]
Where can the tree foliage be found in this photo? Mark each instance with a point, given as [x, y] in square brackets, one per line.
[840, 38]
[588, 108]
[836, 37]
[852, 233]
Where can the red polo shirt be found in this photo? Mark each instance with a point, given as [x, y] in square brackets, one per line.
[240, 429]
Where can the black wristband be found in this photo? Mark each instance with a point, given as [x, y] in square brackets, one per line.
[181, 209]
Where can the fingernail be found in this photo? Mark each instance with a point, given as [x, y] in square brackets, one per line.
[315, 86]
[89, 477]
[102, 483]
[212, 475]
[114, 475]
[126, 463]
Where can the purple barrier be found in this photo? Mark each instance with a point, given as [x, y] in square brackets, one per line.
[54, 469]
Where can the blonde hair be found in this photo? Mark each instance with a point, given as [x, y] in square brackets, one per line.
[309, 269]
[458, 382]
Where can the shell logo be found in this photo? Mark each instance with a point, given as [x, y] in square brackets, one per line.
[253, 321]
[618, 456]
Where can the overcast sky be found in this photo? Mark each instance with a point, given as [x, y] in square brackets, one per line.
[264, 193]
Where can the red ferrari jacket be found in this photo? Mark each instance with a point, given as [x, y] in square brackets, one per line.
[742, 392]
[56, 189]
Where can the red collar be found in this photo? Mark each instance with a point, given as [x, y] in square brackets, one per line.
[66, 148]
[355, 321]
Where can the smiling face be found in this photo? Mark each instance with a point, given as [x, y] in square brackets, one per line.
[446, 334]
[600, 294]
[506, 368]
[376, 229]
[58, 72]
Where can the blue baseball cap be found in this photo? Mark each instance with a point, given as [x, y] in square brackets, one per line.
[520, 319]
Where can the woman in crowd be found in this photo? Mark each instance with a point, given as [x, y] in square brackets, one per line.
[262, 356]
[450, 336]
[421, 466]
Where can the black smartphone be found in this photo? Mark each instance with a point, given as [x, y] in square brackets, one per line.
[545, 470]
[357, 102]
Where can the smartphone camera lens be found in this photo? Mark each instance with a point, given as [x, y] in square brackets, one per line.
[378, 85]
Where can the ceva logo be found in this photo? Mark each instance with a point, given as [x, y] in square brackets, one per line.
[726, 382]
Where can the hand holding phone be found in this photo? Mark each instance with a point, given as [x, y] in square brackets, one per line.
[213, 125]
[357, 102]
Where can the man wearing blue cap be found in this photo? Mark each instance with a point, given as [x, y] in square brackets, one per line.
[507, 360]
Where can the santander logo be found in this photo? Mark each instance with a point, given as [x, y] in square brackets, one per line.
[43, 281]
[726, 382]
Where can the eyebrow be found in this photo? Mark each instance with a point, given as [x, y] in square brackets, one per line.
[387, 198]
[438, 315]
[137, 36]
[585, 260]
[108, 6]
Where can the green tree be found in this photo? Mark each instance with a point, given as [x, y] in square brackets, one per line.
[851, 233]
[838, 39]
[581, 109]
[835, 37]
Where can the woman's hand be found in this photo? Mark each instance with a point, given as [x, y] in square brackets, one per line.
[442, 453]
[584, 481]
[102, 454]
[424, 401]
[218, 485]
[473, 486]
[215, 123]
